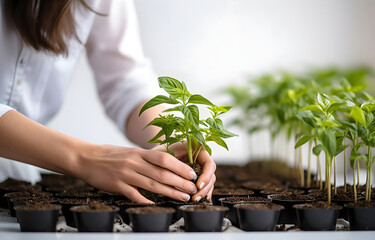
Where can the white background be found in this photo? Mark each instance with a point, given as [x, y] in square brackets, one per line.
[211, 44]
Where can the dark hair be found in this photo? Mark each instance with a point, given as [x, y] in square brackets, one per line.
[45, 24]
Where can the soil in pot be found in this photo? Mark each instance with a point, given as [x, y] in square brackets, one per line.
[20, 201]
[150, 219]
[231, 201]
[177, 215]
[67, 203]
[94, 217]
[258, 186]
[30, 194]
[317, 216]
[361, 215]
[229, 192]
[203, 218]
[38, 217]
[59, 189]
[258, 216]
[12, 185]
[125, 204]
[70, 194]
[265, 193]
[288, 214]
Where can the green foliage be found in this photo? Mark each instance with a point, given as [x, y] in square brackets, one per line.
[192, 131]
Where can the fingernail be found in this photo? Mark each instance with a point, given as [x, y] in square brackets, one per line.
[192, 175]
[202, 185]
[198, 198]
[193, 190]
[185, 196]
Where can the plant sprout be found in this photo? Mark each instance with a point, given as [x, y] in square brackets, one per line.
[190, 130]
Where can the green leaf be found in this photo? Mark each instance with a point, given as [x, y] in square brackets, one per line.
[340, 148]
[218, 140]
[336, 106]
[317, 149]
[191, 112]
[303, 140]
[226, 134]
[328, 139]
[208, 149]
[157, 136]
[307, 118]
[358, 115]
[313, 107]
[156, 101]
[170, 85]
[198, 99]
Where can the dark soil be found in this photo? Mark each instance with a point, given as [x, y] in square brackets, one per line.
[339, 197]
[190, 202]
[39, 207]
[9, 182]
[78, 194]
[282, 191]
[318, 205]
[204, 208]
[56, 189]
[256, 185]
[34, 200]
[261, 206]
[245, 199]
[197, 168]
[231, 191]
[362, 204]
[82, 201]
[29, 194]
[95, 207]
[146, 210]
[292, 197]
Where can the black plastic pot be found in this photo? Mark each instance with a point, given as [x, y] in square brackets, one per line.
[232, 213]
[288, 215]
[9, 196]
[125, 205]
[177, 215]
[94, 221]
[251, 219]
[317, 219]
[143, 220]
[203, 219]
[361, 218]
[38, 220]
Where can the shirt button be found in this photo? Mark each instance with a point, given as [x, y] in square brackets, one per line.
[19, 81]
[22, 61]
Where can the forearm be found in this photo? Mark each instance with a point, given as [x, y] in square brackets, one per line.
[27, 141]
[135, 126]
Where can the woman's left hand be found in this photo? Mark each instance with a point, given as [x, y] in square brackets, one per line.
[206, 181]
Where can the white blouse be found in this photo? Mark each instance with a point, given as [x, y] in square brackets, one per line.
[35, 83]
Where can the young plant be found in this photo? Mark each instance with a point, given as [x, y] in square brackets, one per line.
[188, 129]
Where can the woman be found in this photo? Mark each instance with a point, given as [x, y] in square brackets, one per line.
[40, 44]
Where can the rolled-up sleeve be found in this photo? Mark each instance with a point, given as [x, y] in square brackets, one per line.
[4, 109]
[123, 76]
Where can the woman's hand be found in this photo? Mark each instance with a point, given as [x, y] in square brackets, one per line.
[206, 181]
[122, 170]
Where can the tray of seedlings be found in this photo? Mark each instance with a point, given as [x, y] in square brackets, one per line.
[329, 113]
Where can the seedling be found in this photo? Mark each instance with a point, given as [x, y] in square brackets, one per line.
[188, 129]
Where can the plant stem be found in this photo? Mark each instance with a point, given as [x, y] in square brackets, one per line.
[190, 150]
[344, 168]
[309, 166]
[334, 180]
[354, 185]
[368, 173]
[358, 174]
[328, 179]
[196, 155]
[301, 168]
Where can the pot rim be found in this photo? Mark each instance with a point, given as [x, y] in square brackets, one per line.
[240, 205]
[218, 208]
[74, 209]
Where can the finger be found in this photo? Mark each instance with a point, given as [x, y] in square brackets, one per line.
[167, 161]
[133, 194]
[165, 176]
[202, 193]
[139, 180]
[209, 195]
[209, 168]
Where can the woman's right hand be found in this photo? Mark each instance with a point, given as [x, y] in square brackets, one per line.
[122, 170]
